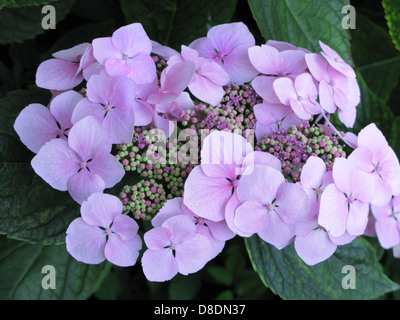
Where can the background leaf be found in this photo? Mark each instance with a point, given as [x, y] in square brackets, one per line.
[303, 23]
[21, 273]
[392, 9]
[19, 24]
[287, 275]
[177, 22]
[23, 3]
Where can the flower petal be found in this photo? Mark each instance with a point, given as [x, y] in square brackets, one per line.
[56, 74]
[159, 265]
[100, 209]
[83, 184]
[123, 253]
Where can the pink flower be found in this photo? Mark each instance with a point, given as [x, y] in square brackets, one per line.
[111, 101]
[374, 156]
[387, 225]
[208, 78]
[126, 53]
[345, 203]
[103, 232]
[173, 80]
[272, 117]
[174, 247]
[64, 72]
[270, 206]
[217, 232]
[336, 61]
[82, 165]
[210, 185]
[335, 89]
[273, 64]
[227, 44]
[300, 94]
[37, 124]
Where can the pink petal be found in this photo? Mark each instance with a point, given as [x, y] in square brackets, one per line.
[35, 126]
[87, 137]
[193, 254]
[119, 124]
[214, 72]
[312, 173]
[292, 203]
[163, 51]
[238, 66]
[159, 265]
[56, 74]
[86, 108]
[298, 108]
[143, 69]
[108, 168]
[253, 186]
[226, 37]
[326, 97]
[220, 230]
[263, 85]
[284, 89]
[358, 218]
[205, 90]
[73, 54]
[117, 67]
[333, 211]
[318, 67]
[373, 138]
[83, 184]
[387, 232]
[305, 86]
[171, 207]
[266, 59]
[104, 49]
[293, 61]
[382, 192]
[99, 89]
[124, 92]
[143, 113]
[230, 210]
[85, 242]
[277, 233]
[223, 153]
[100, 209]
[336, 61]
[55, 163]
[206, 196]
[347, 116]
[123, 253]
[62, 107]
[260, 158]
[181, 227]
[391, 171]
[157, 238]
[315, 247]
[132, 40]
[251, 217]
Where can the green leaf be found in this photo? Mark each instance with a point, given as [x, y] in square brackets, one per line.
[380, 68]
[392, 9]
[23, 3]
[303, 23]
[30, 209]
[288, 276]
[19, 24]
[176, 22]
[21, 273]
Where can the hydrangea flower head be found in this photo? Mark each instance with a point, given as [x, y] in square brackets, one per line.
[103, 232]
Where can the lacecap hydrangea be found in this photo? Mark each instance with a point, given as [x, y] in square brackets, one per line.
[227, 138]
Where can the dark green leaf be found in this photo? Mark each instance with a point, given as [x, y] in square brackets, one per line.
[303, 23]
[392, 9]
[23, 3]
[21, 273]
[177, 22]
[288, 276]
[19, 24]
[30, 209]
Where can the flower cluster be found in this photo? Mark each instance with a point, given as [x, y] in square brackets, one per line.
[228, 138]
